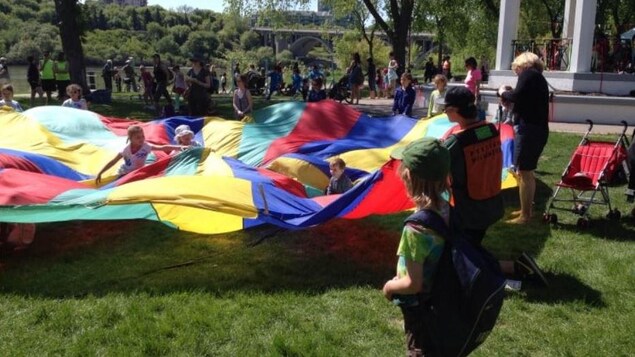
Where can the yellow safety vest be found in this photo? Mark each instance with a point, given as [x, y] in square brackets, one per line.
[62, 76]
[47, 70]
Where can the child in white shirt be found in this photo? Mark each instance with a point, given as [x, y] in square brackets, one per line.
[76, 101]
[7, 98]
[135, 153]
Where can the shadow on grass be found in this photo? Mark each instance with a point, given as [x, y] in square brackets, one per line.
[564, 288]
[621, 231]
[508, 241]
[77, 259]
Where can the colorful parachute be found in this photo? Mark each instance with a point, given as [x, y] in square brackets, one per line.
[272, 170]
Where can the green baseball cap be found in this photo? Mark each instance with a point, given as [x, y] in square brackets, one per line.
[426, 158]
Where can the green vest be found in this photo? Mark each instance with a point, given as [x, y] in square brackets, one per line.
[47, 70]
[62, 76]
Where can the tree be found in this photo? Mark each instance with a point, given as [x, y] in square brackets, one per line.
[397, 30]
[155, 31]
[356, 11]
[249, 40]
[180, 33]
[167, 45]
[200, 43]
[68, 11]
[134, 20]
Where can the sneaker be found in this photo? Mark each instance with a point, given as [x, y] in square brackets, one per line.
[513, 285]
[526, 265]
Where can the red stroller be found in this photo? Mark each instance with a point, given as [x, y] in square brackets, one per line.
[590, 170]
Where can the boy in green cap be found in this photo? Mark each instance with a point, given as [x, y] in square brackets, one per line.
[424, 169]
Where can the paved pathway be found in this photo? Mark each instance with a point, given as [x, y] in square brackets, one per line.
[383, 107]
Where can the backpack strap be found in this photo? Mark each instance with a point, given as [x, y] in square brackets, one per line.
[432, 220]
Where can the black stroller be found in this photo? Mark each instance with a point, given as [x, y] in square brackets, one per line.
[341, 91]
[256, 83]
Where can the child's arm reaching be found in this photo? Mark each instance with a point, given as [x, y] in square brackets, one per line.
[106, 167]
[168, 148]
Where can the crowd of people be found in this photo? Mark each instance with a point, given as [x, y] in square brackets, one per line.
[44, 76]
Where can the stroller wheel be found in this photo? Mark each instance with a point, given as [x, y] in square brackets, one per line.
[615, 214]
[550, 218]
[583, 223]
[553, 218]
[545, 217]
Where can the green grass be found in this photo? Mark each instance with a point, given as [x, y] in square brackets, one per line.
[141, 288]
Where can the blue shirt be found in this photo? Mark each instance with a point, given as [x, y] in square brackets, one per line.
[404, 100]
[276, 79]
[316, 96]
[315, 74]
[297, 81]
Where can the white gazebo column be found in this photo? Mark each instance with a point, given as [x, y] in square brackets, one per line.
[569, 16]
[507, 31]
[582, 46]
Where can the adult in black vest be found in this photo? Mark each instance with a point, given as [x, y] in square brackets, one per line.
[476, 162]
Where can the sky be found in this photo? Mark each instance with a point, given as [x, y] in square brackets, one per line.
[216, 5]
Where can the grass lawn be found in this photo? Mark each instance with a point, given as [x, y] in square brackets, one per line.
[124, 288]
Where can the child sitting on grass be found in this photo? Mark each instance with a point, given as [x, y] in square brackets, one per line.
[339, 182]
[7, 98]
[135, 153]
[424, 169]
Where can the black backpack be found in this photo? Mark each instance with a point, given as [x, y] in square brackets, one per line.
[467, 292]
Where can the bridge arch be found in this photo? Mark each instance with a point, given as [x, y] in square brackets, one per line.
[303, 45]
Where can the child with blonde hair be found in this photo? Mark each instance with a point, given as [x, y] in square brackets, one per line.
[7, 98]
[75, 99]
[339, 182]
[134, 155]
[434, 106]
[424, 169]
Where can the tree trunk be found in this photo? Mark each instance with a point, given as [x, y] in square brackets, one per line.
[400, 11]
[68, 12]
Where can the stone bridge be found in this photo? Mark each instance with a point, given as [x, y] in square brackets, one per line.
[301, 41]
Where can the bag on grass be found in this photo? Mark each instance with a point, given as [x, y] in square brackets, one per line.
[467, 293]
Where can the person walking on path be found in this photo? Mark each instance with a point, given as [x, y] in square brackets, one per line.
[429, 71]
[473, 78]
[531, 126]
[62, 77]
[161, 76]
[47, 75]
[199, 82]
[4, 72]
[447, 68]
[392, 76]
[33, 77]
[107, 73]
[356, 77]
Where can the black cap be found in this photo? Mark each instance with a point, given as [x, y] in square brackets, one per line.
[458, 97]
